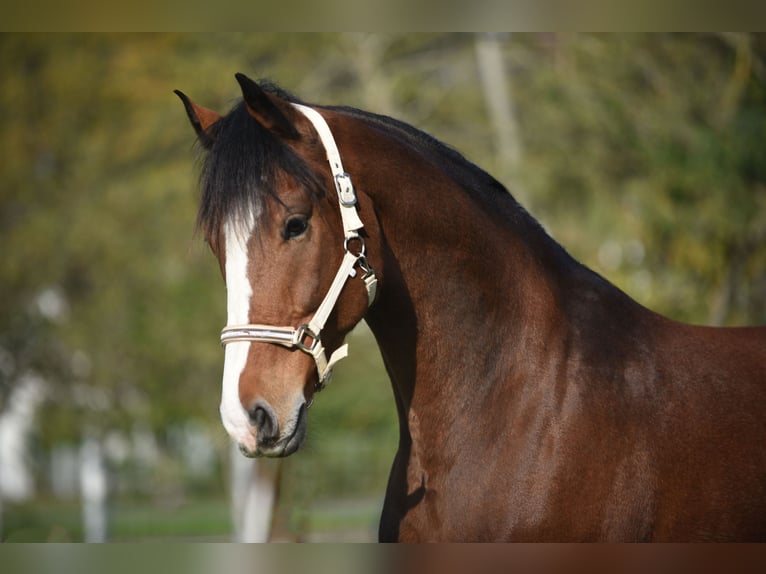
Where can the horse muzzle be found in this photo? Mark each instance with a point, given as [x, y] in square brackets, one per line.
[266, 437]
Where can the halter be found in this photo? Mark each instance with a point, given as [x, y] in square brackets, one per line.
[308, 337]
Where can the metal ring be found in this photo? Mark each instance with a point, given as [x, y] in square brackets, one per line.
[362, 251]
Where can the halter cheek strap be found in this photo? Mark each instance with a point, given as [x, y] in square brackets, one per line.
[308, 337]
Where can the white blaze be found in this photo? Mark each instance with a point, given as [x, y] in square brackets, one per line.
[238, 292]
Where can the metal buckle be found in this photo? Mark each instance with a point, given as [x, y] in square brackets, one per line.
[300, 335]
[345, 189]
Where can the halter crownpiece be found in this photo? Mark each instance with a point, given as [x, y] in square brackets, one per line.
[308, 337]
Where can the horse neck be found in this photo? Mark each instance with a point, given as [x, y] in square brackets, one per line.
[471, 285]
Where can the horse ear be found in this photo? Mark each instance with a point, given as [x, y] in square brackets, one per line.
[264, 109]
[202, 119]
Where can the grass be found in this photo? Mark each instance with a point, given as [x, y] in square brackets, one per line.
[208, 519]
[60, 521]
[344, 520]
[336, 520]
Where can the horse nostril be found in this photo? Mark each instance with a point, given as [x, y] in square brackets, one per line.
[265, 421]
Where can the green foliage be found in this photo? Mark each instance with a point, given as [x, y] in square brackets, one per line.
[654, 141]
[98, 206]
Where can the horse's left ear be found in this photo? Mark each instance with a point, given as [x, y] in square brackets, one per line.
[202, 119]
[264, 108]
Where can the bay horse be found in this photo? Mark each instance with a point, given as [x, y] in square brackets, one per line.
[536, 401]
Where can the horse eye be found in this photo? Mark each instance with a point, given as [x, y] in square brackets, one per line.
[296, 226]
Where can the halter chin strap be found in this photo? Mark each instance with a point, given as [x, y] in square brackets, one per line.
[308, 337]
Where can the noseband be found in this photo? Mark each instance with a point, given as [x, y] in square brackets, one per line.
[308, 337]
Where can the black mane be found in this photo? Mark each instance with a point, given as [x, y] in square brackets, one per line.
[462, 170]
[494, 196]
[241, 167]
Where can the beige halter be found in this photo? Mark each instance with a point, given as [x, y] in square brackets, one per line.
[308, 337]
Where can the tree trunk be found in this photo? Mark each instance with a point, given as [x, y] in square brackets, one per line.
[497, 87]
[254, 487]
[93, 489]
[367, 54]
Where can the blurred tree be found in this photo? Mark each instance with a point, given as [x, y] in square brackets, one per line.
[99, 226]
[646, 152]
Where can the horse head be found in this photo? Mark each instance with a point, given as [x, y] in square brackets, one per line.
[285, 223]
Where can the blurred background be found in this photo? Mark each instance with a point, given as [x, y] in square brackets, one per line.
[644, 155]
